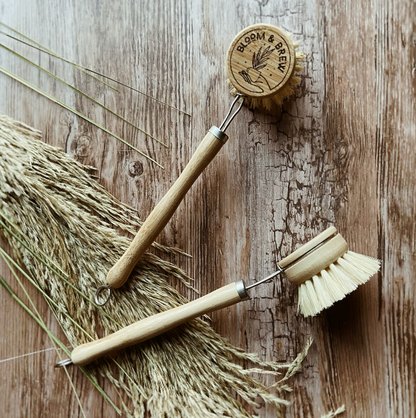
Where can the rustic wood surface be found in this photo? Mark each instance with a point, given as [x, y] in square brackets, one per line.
[342, 152]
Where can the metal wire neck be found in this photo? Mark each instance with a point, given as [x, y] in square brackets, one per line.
[228, 119]
[266, 279]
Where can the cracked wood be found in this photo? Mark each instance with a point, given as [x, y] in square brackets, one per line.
[342, 152]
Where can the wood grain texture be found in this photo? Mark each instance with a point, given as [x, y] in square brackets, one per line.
[342, 152]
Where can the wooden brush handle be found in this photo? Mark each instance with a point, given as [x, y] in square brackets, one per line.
[164, 210]
[157, 324]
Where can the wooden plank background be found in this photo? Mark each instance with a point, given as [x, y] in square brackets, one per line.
[342, 152]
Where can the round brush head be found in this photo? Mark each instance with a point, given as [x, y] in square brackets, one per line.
[262, 64]
[326, 271]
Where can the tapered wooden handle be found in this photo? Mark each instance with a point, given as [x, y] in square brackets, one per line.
[157, 324]
[164, 210]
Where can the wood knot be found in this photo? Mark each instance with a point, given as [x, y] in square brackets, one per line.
[81, 146]
[135, 169]
[66, 118]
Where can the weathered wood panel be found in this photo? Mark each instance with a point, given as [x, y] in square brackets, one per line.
[342, 152]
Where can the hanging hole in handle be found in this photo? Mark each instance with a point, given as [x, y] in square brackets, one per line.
[98, 292]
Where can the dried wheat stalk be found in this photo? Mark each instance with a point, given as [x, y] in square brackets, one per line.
[190, 372]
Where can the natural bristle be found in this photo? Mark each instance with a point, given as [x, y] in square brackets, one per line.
[335, 282]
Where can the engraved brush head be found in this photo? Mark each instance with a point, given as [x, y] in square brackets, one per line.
[326, 271]
[262, 63]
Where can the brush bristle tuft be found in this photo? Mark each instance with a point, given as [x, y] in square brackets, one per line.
[335, 282]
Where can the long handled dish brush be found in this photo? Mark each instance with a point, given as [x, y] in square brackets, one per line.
[324, 268]
[49, 205]
[262, 62]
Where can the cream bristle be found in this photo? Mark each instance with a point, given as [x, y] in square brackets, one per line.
[321, 289]
[335, 293]
[309, 300]
[335, 282]
[341, 280]
[367, 265]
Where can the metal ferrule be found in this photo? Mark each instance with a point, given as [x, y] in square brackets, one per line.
[217, 132]
[241, 290]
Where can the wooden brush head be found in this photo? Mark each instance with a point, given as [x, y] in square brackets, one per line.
[261, 62]
[315, 256]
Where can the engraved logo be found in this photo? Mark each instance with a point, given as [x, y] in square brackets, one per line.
[253, 74]
[260, 61]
